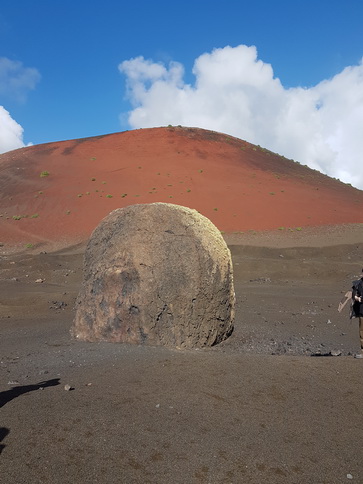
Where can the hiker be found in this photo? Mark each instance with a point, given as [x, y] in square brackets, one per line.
[357, 309]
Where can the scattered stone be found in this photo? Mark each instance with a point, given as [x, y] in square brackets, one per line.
[39, 281]
[335, 352]
[67, 387]
[156, 274]
[13, 382]
[328, 322]
[57, 305]
[261, 280]
[349, 476]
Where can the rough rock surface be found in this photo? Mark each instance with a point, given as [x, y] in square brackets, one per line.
[156, 274]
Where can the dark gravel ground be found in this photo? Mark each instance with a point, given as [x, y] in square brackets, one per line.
[260, 407]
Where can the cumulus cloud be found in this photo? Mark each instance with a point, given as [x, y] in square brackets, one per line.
[15, 83]
[11, 133]
[236, 93]
[16, 80]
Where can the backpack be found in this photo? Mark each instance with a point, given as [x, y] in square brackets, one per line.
[355, 306]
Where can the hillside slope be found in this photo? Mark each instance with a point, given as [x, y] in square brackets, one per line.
[62, 190]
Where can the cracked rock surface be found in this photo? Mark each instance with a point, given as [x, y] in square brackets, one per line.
[156, 274]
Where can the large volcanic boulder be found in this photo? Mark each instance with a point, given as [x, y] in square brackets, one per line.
[156, 274]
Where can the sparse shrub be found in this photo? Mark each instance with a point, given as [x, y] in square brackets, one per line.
[80, 195]
[272, 193]
[88, 193]
[93, 158]
[68, 212]
[298, 229]
[216, 209]
[29, 246]
[281, 228]
[124, 195]
[103, 183]
[35, 215]
[93, 179]
[44, 173]
[17, 217]
[108, 196]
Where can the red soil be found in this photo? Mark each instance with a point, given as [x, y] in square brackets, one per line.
[239, 186]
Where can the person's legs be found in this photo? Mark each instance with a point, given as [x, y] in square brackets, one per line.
[360, 355]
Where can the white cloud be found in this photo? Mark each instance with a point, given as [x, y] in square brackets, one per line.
[16, 80]
[11, 133]
[236, 93]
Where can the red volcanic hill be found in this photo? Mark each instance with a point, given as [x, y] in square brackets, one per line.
[60, 191]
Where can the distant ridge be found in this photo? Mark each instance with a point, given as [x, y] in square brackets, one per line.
[62, 190]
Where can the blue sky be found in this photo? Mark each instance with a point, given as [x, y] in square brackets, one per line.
[62, 77]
